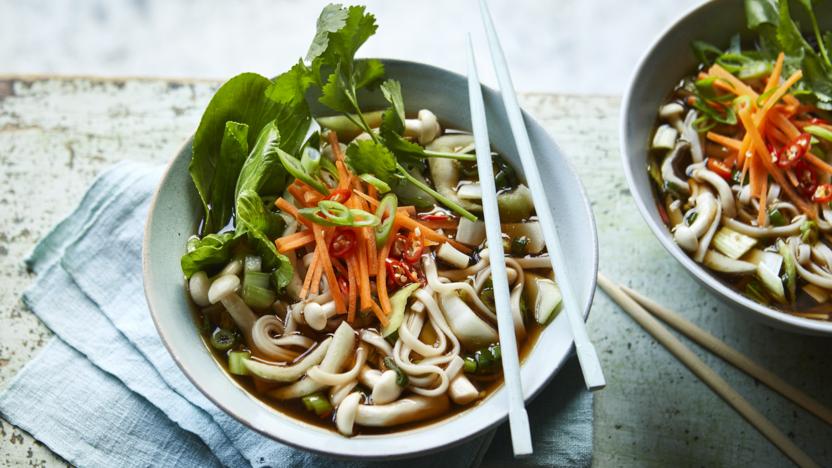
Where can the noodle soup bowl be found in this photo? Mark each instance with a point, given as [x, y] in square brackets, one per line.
[176, 210]
[660, 70]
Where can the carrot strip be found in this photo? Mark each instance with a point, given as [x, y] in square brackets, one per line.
[353, 288]
[411, 225]
[725, 141]
[363, 276]
[316, 277]
[736, 85]
[381, 273]
[340, 307]
[784, 125]
[754, 175]
[294, 241]
[762, 215]
[379, 313]
[332, 137]
[774, 78]
[765, 158]
[283, 205]
[818, 162]
[310, 273]
[297, 194]
[448, 224]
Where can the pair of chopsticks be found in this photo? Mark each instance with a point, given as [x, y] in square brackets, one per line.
[588, 358]
[644, 311]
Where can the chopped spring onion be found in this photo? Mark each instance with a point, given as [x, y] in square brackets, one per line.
[771, 281]
[386, 213]
[469, 192]
[398, 302]
[718, 262]
[817, 293]
[296, 169]
[809, 232]
[235, 362]
[732, 243]
[450, 255]
[257, 278]
[379, 184]
[311, 161]
[223, 340]
[789, 270]
[665, 137]
[258, 297]
[519, 246]
[470, 232]
[361, 218]
[252, 263]
[777, 218]
[485, 361]
[401, 377]
[318, 403]
[818, 131]
[516, 205]
[756, 292]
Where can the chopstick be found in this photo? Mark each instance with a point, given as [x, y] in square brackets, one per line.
[732, 356]
[521, 438]
[587, 356]
[704, 373]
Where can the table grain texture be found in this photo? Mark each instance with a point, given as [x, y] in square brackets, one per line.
[58, 133]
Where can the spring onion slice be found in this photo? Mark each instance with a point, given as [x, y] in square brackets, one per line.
[386, 213]
[379, 184]
[296, 169]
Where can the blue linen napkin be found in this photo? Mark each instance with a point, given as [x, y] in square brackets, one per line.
[105, 392]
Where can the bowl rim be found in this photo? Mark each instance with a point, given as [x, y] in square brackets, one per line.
[491, 421]
[727, 294]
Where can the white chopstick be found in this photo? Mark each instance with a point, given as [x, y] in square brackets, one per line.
[588, 358]
[521, 437]
[732, 356]
[704, 373]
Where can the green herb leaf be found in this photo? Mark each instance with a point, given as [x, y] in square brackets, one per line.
[258, 224]
[367, 156]
[241, 100]
[290, 88]
[262, 171]
[233, 152]
[212, 251]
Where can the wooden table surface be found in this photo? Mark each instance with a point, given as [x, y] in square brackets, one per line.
[57, 134]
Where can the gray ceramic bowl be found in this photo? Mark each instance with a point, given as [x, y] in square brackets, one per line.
[666, 62]
[173, 216]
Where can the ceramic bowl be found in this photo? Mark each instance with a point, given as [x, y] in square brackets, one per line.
[174, 215]
[665, 63]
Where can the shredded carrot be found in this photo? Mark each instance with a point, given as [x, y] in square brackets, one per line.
[736, 85]
[381, 273]
[353, 287]
[363, 277]
[774, 78]
[410, 224]
[294, 241]
[316, 276]
[336, 147]
[283, 205]
[725, 141]
[784, 125]
[792, 177]
[298, 194]
[310, 273]
[765, 157]
[379, 313]
[323, 250]
[762, 215]
[447, 224]
[818, 162]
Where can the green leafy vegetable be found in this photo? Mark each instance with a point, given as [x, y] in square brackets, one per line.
[212, 251]
[262, 171]
[255, 222]
[233, 152]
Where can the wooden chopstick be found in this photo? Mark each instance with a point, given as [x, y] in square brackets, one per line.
[732, 356]
[521, 438]
[587, 356]
[704, 373]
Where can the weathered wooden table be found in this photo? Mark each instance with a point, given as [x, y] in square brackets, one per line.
[57, 134]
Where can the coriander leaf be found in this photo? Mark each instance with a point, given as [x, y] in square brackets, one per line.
[241, 99]
[392, 91]
[233, 152]
[334, 94]
[332, 18]
[262, 171]
[210, 252]
[367, 73]
[342, 43]
[370, 157]
[289, 88]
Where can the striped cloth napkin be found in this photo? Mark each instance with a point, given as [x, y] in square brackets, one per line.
[105, 392]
